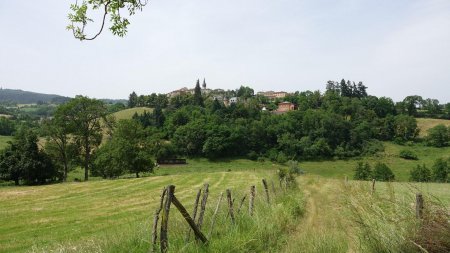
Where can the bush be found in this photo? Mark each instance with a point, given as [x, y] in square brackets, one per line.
[420, 174]
[440, 171]
[372, 147]
[281, 158]
[261, 159]
[438, 136]
[252, 155]
[362, 171]
[382, 172]
[294, 168]
[408, 155]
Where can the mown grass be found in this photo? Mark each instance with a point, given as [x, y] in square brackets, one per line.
[424, 124]
[128, 113]
[83, 216]
[4, 141]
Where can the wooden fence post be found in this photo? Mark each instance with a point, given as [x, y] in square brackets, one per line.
[273, 187]
[252, 200]
[214, 215]
[242, 202]
[203, 206]
[266, 189]
[373, 185]
[194, 212]
[198, 234]
[419, 205]
[230, 205]
[165, 219]
[155, 220]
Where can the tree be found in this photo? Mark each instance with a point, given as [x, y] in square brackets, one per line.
[363, 171]
[438, 136]
[411, 104]
[23, 160]
[85, 116]
[158, 117]
[58, 143]
[405, 128]
[198, 99]
[132, 100]
[382, 172]
[420, 174]
[126, 152]
[440, 170]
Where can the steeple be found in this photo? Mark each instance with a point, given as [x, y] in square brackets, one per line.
[204, 84]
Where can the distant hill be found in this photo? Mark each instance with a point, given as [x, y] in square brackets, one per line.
[28, 97]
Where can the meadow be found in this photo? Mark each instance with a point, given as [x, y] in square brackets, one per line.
[116, 215]
[425, 123]
[4, 141]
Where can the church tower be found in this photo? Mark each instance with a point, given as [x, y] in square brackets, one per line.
[204, 84]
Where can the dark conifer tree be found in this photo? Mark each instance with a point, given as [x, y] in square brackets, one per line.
[198, 99]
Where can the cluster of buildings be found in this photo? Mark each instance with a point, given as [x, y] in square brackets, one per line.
[220, 94]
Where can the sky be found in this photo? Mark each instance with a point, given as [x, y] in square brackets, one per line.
[397, 48]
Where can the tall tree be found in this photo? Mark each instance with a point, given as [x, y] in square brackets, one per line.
[133, 100]
[198, 99]
[85, 116]
[58, 142]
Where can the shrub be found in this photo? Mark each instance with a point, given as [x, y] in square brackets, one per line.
[438, 136]
[382, 172]
[408, 155]
[440, 170]
[261, 159]
[372, 147]
[363, 171]
[294, 168]
[281, 158]
[420, 174]
[252, 155]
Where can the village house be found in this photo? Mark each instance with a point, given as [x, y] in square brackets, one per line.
[285, 107]
[272, 95]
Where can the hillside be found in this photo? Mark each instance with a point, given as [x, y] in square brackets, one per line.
[425, 124]
[28, 97]
[128, 113]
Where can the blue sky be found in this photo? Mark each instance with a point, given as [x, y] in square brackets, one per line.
[397, 48]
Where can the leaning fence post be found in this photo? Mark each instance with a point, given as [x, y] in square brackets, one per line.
[266, 189]
[242, 202]
[252, 200]
[373, 185]
[194, 212]
[214, 215]
[155, 220]
[198, 234]
[165, 219]
[419, 205]
[203, 206]
[230, 205]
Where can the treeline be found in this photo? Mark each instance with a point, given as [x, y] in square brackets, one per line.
[344, 121]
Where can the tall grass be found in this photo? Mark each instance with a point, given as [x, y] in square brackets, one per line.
[386, 221]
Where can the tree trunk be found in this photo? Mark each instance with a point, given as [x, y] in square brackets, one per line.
[87, 157]
[137, 174]
[65, 171]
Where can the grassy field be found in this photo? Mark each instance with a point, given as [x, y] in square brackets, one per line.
[425, 124]
[390, 156]
[4, 140]
[128, 113]
[60, 215]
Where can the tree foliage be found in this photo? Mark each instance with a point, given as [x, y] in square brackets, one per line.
[79, 17]
[23, 160]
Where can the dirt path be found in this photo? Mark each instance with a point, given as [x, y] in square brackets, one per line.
[324, 227]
